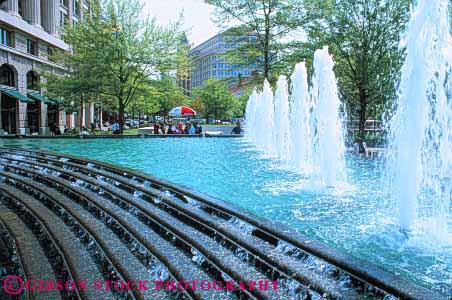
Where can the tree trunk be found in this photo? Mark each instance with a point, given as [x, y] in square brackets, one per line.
[362, 122]
[267, 48]
[121, 116]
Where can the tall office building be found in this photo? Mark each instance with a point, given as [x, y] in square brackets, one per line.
[29, 33]
[207, 62]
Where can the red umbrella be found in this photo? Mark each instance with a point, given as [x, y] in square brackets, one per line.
[182, 111]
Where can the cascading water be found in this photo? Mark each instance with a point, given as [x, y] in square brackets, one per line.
[328, 138]
[281, 130]
[300, 119]
[309, 132]
[420, 156]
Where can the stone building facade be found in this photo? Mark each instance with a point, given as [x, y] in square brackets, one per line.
[29, 33]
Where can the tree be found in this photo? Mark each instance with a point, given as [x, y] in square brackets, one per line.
[263, 31]
[363, 37]
[121, 51]
[144, 101]
[167, 95]
[76, 86]
[241, 102]
[216, 99]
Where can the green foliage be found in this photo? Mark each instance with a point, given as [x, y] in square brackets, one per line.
[144, 100]
[214, 100]
[363, 37]
[263, 29]
[167, 95]
[116, 52]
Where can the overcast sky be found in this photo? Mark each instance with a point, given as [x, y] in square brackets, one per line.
[198, 24]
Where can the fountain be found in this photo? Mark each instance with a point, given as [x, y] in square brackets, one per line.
[251, 107]
[309, 133]
[328, 139]
[281, 130]
[300, 118]
[420, 157]
[261, 126]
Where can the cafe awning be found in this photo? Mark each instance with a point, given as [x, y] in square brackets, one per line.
[15, 94]
[39, 97]
[57, 101]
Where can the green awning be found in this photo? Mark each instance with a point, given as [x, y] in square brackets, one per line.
[39, 97]
[17, 95]
[57, 101]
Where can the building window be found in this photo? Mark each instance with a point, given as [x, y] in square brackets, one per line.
[32, 81]
[51, 54]
[32, 47]
[7, 76]
[76, 7]
[61, 19]
[5, 37]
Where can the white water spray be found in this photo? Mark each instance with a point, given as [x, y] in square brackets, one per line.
[281, 131]
[309, 133]
[250, 114]
[328, 140]
[420, 160]
[300, 119]
[263, 122]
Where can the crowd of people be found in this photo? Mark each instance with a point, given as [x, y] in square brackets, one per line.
[179, 128]
[172, 127]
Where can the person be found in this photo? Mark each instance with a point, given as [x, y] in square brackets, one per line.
[93, 127]
[237, 129]
[115, 127]
[163, 128]
[198, 128]
[171, 128]
[57, 131]
[84, 131]
[187, 128]
[180, 128]
[191, 129]
[156, 128]
[52, 128]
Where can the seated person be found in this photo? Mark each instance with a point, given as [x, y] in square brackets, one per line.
[115, 128]
[172, 129]
[157, 128]
[187, 128]
[180, 128]
[237, 129]
[192, 130]
[198, 128]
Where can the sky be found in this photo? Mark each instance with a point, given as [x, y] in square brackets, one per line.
[197, 22]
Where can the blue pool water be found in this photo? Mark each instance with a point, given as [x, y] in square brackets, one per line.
[356, 217]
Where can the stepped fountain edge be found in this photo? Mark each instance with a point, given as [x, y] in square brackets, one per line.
[357, 268]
